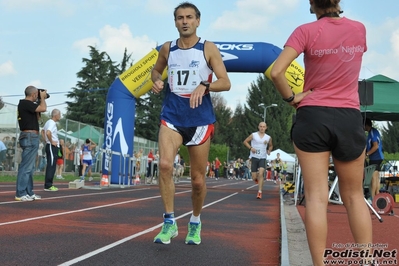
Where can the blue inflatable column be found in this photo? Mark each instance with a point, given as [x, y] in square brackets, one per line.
[118, 132]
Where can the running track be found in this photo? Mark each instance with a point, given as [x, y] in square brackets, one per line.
[116, 226]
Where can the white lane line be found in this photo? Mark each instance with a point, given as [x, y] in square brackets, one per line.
[8, 192]
[83, 210]
[224, 185]
[40, 189]
[75, 195]
[256, 185]
[112, 245]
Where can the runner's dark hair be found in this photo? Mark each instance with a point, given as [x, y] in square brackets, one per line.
[188, 5]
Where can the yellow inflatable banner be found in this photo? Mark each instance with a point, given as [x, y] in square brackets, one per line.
[137, 79]
[295, 76]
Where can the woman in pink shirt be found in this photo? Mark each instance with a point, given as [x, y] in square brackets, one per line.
[328, 119]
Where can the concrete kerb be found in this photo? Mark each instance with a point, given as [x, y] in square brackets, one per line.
[94, 187]
[295, 234]
[99, 187]
[284, 254]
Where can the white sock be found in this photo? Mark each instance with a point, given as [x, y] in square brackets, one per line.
[260, 191]
[195, 219]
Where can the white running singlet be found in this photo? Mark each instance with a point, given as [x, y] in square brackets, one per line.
[260, 145]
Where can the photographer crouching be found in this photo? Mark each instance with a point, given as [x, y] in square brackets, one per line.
[29, 110]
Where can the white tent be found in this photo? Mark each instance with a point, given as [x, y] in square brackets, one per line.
[283, 155]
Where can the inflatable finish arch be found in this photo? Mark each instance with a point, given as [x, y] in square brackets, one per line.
[249, 57]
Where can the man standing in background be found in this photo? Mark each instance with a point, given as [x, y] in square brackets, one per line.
[60, 159]
[52, 147]
[39, 156]
[217, 167]
[150, 159]
[374, 154]
[156, 159]
[87, 158]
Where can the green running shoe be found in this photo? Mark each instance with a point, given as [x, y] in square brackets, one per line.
[52, 188]
[168, 231]
[194, 234]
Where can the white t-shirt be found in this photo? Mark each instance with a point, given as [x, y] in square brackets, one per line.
[52, 127]
[260, 145]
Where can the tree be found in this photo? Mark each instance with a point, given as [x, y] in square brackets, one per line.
[223, 115]
[390, 137]
[91, 91]
[220, 151]
[238, 132]
[126, 62]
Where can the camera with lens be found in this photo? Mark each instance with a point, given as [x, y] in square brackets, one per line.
[38, 98]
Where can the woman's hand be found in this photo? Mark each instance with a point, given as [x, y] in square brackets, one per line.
[299, 97]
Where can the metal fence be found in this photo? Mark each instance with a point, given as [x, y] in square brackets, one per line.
[74, 135]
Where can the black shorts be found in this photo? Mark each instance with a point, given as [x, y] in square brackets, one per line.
[378, 164]
[257, 163]
[277, 169]
[339, 130]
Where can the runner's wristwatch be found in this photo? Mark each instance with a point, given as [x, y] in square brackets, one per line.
[206, 84]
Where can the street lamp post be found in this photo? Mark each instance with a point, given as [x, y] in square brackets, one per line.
[265, 108]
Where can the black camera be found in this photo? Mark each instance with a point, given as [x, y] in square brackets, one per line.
[38, 97]
[40, 90]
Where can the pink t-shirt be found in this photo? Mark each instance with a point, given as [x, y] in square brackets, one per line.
[333, 51]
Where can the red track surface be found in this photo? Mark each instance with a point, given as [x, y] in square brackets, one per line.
[116, 226]
[385, 233]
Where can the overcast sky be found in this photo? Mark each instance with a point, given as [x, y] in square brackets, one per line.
[42, 42]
